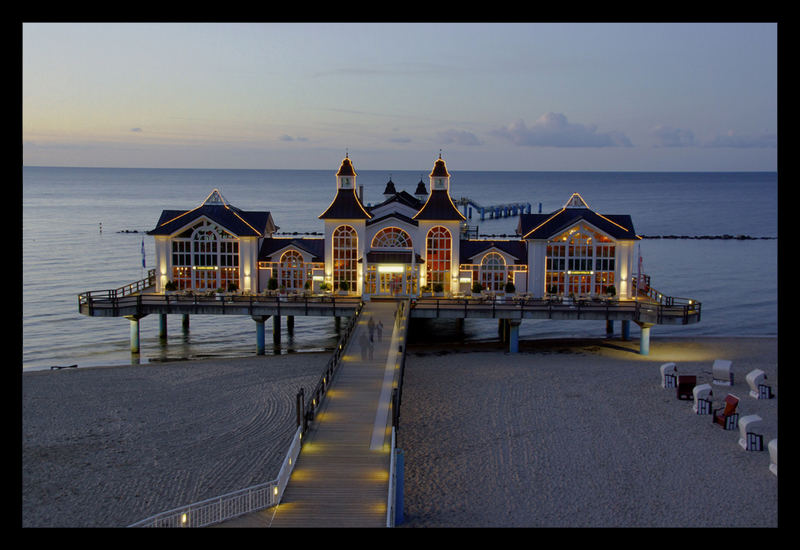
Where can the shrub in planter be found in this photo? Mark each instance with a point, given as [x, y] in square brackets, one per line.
[233, 287]
[476, 288]
[272, 284]
[510, 289]
[438, 287]
[344, 285]
[171, 285]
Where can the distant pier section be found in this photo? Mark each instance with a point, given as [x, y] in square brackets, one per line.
[494, 211]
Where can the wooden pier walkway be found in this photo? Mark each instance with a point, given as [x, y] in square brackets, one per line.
[341, 478]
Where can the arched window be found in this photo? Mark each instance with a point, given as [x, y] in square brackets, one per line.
[292, 270]
[580, 261]
[205, 257]
[391, 237]
[493, 272]
[438, 254]
[345, 260]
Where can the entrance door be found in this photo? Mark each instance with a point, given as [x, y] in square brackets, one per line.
[390, 283]
[205, 279]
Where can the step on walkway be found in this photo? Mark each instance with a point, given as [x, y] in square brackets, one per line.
[341, 478]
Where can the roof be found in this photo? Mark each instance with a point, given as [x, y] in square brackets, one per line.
[346, 169]
[439, 206]
[390, 190]
[517, 249]
[345, 206]
[421, 190]
[546, 226]
[439, 169]
[393, 257]
[315, 247]
[403, 197]
[238, 222]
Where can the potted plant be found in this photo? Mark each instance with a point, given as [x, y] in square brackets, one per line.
[438, 289]
[610, 291]
[344, 287]
[232, 287]
[510, 288]
[476, 287]
[325, 287]
[170, 287]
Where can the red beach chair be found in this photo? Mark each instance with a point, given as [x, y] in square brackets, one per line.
[728, 418]
[686, 384]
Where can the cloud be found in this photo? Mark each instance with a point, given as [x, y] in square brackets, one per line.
[553, 130]
[668, 136]
[287, 137]
[745, 141]
[458, 137]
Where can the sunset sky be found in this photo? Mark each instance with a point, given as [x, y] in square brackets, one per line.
[527, 96]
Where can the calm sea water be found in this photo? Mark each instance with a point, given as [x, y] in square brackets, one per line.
[82, 229]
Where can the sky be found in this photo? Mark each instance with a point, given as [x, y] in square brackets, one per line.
[488, 96]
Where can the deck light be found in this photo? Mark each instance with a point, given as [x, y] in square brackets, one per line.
[184, 519]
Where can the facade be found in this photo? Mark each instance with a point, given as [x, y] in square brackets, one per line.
[403, 246]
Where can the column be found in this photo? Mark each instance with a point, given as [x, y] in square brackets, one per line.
[134, 319]
[644, 338]
[626, 330]
[162, 326]
[260, 346]
[513, 335]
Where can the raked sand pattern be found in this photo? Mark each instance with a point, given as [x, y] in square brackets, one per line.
[563, 434]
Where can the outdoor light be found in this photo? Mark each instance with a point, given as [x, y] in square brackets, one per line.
[184, 518]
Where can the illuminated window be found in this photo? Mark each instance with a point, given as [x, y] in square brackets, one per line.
[580, 261]
[437, 256]
[345, 261]
[292, 270]
[391, 237]
[205, 257]
[493, 272]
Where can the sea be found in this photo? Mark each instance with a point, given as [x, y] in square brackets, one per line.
[708, 236]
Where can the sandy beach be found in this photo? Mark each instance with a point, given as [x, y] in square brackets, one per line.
[563, 434]
[580, 434]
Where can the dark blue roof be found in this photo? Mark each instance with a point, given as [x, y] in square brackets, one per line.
[517, 249]
[345, 206]
[239, 222]
[546, 226]
[439, 207]
[315, 247]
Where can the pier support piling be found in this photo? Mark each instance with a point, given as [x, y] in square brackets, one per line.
[260, 345]
[644, 338]
[626, 330]
[185, 322]
[162, 326]
[134, 319]
[609, 329]
[513, 335]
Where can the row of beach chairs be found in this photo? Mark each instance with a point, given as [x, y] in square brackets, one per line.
[727, 414]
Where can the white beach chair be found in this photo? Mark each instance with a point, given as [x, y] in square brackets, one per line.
[721, 372]
[702, 403]
[669, 375]
[751, 437]
[773, 455]
[759, 389]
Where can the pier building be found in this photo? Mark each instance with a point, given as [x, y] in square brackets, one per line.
[570, 263]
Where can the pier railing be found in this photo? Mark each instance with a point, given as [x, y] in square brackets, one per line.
[306, 412]
[85, 299]
[666, 310]
[126, 301]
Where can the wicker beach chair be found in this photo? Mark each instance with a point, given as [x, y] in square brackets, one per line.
[669, 373]
[726, 416]
[758, 387]
[721, 372]
[686, 383]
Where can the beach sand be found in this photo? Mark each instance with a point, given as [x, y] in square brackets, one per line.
[109, 446]
[581, 434]
[564, 434]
